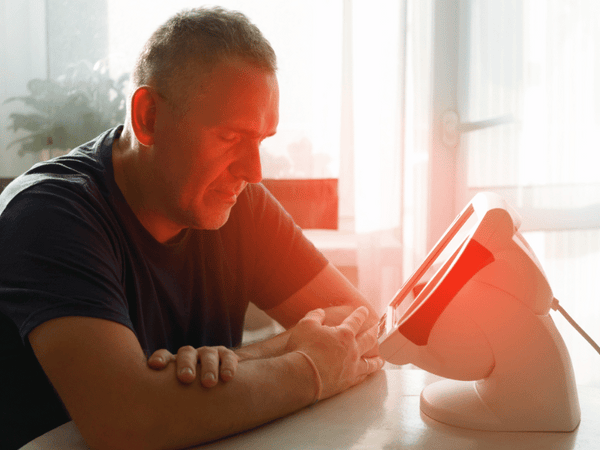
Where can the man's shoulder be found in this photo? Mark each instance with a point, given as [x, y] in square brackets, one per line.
[28, 188]
[81, 172]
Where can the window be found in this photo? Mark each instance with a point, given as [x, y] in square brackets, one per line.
[532, 72]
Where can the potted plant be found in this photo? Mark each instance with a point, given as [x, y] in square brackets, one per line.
[69, 111]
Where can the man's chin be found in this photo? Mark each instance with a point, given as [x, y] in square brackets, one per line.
[212, 222]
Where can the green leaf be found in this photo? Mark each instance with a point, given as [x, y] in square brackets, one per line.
[29, 122]
[69, 111]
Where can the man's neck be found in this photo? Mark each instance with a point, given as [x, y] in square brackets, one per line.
[129, 177]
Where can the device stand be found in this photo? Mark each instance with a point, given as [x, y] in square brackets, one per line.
[532, 385]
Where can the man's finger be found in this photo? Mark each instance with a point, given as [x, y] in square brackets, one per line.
[355, 320]
[187, 360]
[372, 364]
[160, 359]
[317, 315]
[209, 366]
[229, 362]
[367, 342]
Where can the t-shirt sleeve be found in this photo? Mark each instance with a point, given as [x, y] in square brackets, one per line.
[59, 258]
[284, 259]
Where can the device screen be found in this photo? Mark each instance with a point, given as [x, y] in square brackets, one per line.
[434, 266]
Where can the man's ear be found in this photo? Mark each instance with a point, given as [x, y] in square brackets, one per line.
[143, 115]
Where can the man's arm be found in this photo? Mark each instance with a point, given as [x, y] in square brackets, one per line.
[99, 370]
[328, 290]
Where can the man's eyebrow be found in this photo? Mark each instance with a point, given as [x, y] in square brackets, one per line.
[248, 132]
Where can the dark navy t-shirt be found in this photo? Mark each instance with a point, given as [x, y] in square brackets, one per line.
[71, 246]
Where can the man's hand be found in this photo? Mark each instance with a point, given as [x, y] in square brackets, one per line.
[340, 352]
[214, 362]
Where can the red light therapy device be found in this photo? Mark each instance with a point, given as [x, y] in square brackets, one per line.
[477, 312]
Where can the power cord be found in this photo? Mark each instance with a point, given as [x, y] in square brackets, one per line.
[556, 307]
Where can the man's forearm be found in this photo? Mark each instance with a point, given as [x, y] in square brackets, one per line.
[262, 390]
[178, 416]
[275, 346]
[269, 348]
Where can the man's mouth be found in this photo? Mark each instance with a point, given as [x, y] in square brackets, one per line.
[228, 195]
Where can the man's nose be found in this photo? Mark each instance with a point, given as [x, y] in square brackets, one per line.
[247, 166]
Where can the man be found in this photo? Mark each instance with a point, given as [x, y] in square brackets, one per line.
[154, 238]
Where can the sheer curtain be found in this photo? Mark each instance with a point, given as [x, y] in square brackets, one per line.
[22, 57]
[391, 73]
[376, 45]
[538, 62]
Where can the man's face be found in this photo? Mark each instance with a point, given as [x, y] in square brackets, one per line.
[204, 158]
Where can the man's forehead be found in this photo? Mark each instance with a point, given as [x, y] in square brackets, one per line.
[240, 98]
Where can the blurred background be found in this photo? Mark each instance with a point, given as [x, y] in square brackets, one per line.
[410, 106]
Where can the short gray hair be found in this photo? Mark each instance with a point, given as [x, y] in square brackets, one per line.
[197, 39]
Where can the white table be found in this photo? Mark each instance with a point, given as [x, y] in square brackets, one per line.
[381, 413]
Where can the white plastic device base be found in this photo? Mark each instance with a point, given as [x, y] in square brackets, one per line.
[532, 386]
